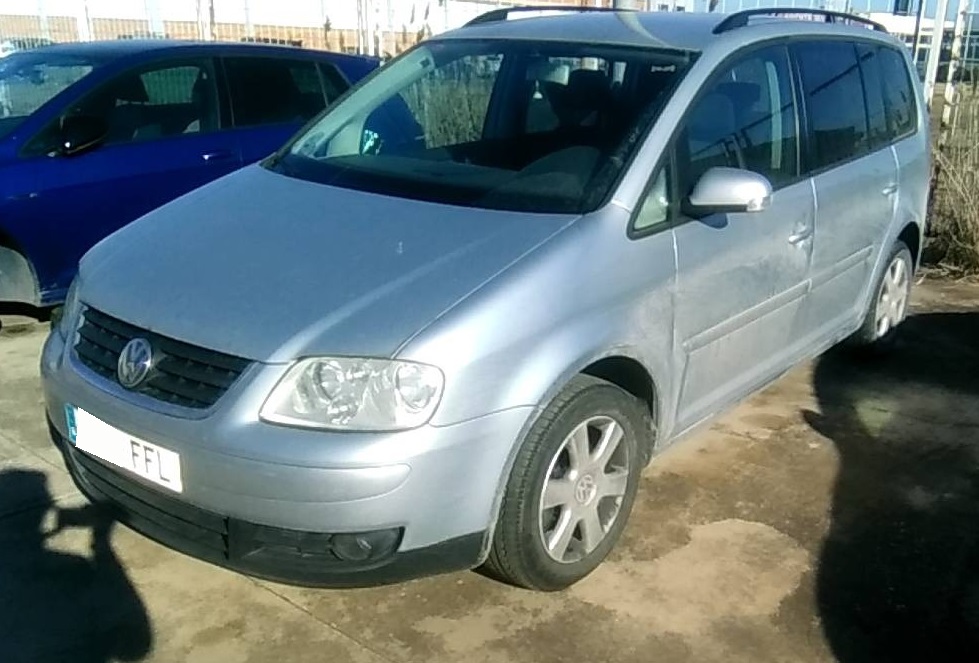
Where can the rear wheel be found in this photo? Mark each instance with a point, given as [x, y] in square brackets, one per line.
[571, 489]
[890, 303]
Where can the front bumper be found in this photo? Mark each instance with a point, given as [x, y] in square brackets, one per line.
[278, 502]
[283, 555]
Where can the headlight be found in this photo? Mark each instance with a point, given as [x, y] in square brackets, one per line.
[349, 393]
[70, 310]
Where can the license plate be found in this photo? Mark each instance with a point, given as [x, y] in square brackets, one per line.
[150, 461]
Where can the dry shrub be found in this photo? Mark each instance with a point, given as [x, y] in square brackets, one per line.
[955, 205]
[451, 106]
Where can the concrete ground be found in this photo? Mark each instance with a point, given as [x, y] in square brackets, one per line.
[834, 515]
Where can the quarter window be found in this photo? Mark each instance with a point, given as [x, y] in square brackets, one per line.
[835, 102]
[746, 119]
[655, 209]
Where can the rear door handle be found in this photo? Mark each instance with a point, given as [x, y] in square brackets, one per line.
[889, 190]
[214, 157]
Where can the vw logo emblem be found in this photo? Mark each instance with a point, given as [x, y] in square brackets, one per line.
[135, 362]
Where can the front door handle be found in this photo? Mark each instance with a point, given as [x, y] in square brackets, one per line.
[889, 190]
[215, 157]
[800, 236]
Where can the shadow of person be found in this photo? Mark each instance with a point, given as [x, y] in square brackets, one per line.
[898, 576]
[57, 606]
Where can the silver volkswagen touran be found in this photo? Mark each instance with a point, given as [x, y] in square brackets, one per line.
[450, 322]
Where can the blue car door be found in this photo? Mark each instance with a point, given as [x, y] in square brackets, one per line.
[272, 97]
[163, 140]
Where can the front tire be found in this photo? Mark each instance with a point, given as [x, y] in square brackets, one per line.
[892, 293]
[571, 488]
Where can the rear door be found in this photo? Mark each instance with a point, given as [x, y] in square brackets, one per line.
[854, 176]
[911, 148]
[164, 140]
[272, 98]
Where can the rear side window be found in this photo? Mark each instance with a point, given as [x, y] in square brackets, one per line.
[274, 91]
[873, 86]
[899, 98]
[834, 97]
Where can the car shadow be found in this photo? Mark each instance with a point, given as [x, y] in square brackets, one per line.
[41, 314]
[898, 576]
[59, 606]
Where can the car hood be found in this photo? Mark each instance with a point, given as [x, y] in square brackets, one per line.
[271, 268]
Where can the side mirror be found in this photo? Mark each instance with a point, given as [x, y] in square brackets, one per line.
[81, 133]
[728, 190]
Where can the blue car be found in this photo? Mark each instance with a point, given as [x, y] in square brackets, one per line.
[93, 136]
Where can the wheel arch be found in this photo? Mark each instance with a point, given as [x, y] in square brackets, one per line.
[911, 235]
[617, 367]
[634, 378]
[18, 281]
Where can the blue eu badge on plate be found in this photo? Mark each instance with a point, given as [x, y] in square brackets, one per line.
[70, 420]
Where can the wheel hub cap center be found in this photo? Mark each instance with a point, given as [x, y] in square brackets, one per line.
[585, 489]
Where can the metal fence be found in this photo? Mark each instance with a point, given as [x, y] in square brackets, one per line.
[381, 27]
[339, 25]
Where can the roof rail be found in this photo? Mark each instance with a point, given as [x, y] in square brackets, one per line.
[503, 13]
[740, 19]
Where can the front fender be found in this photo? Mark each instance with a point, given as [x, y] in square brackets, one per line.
[587, 294]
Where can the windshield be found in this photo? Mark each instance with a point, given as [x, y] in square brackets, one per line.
[29, 80]
[536, 127]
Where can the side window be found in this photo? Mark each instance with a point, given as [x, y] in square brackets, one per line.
[746, 119]
[899, 98]
[835, 103]
[165, 101]
[873, 87]
[273, 91]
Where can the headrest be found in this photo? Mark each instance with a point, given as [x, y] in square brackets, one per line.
[131, 90]
[713, 118]
[587, 92]
[588, 88]
[742, 95]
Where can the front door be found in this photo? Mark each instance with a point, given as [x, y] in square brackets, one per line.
[163, 142]
[742, 278]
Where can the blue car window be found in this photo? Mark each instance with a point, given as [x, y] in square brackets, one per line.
[273, 91]
[29, 80]
[165, 101]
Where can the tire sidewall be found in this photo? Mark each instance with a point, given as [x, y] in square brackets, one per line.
[598, 400]
[902, 252]
[864, 342]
